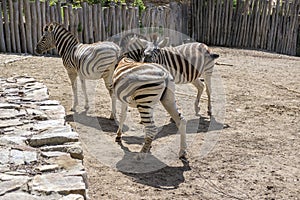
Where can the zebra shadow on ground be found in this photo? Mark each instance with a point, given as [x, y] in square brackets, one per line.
[103, 124]
[198, 125]
[151, 171]
[108, 126]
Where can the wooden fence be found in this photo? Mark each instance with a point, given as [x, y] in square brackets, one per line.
[258, 24]
[23, 20]
[250, 23]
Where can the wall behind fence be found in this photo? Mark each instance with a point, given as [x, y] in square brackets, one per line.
[254, 24]
[250, 23]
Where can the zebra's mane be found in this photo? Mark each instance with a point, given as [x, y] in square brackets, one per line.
[58, 26]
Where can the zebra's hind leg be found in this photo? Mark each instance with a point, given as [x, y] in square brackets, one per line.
[121, 123]
[83, 86]
[200, 86]
[146, 113]
[168, 101]
[108, 85]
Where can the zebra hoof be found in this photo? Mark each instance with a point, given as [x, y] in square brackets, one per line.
[118, 139]
[111, 117]
[182, 155]
[140, 156]
[172, 120]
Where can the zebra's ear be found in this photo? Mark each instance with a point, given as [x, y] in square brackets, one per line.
[164, 42]
[51, 27]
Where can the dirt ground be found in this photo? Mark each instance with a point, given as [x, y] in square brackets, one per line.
[255, 156]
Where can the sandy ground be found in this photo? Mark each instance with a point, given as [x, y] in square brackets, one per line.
[255, 156]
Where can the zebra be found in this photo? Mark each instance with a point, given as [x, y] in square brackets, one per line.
[143, 85]
[88, 61]
[133, 45]
[186, 63]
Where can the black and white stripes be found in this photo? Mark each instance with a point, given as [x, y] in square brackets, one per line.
[143, 85]
[88, 61]
[186, 63]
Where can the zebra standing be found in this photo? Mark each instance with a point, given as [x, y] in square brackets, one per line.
[186, 63]
[88, 61]
[142, 85]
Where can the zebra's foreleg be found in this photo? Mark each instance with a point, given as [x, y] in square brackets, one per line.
[200, 86]
[168, 101]
[72, 77]
[122, 120]
[207, 80]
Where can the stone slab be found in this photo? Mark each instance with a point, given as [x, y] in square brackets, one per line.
[53, 138]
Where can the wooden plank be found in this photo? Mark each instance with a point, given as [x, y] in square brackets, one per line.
[11, 23]
[230, 22]
[33, 12]
[66, 17]
[80, 24]
[71, 27]
[95, 22]
[85, 24]
[43, 14]
[16, 26]
[294, 28]
[90, 24]
[278, 27]
[22, 28]
[39, 19]
[111, 18]
[58, 12]
[100, 21]
[76, 22]
[2, 40]
[28, 26]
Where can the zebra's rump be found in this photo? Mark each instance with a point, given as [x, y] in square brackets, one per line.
[140, 83]
[95, 59]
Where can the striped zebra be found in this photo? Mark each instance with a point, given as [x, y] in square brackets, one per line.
[88, 61]
[143, 85]
[133, 45]
[186, 63]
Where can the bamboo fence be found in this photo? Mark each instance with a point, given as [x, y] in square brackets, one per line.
[250, 23]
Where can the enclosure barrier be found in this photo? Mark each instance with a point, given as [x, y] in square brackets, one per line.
[242, 23]
[257, 24]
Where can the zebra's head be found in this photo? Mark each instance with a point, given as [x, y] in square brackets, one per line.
[135, 47]
[47, 40]
[153, 47]
[209, 57]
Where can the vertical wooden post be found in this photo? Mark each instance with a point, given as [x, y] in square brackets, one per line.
[28, 26]
[58, 12]
[16, 26]
[90, 24]
[2, 41]
[11, 23]
[76, 22]
[96, 23]
[100, 21]
[34, 24]
[66, 17]
[22, 28]
[39, 19]
[80, 24]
